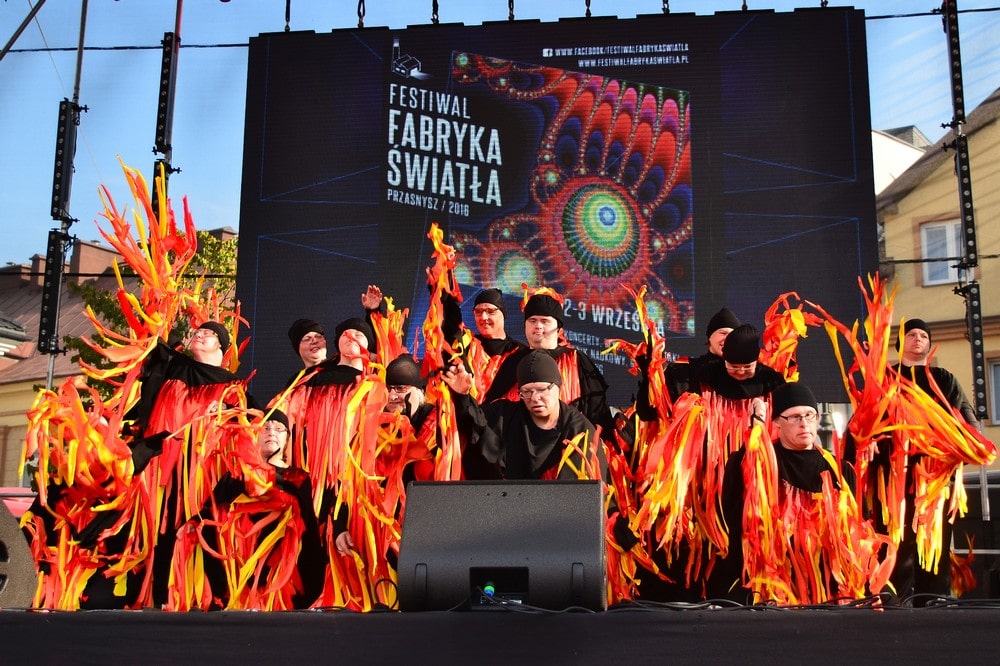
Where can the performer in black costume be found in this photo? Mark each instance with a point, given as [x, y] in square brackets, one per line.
[740, 375]
[800, 466]
[684, 373]
[523, 439]
[583, 385]
[908, 577]
[291, 484]
[179, 391]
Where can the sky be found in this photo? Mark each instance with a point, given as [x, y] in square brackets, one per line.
[119, 82]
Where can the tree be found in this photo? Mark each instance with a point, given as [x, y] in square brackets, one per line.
[214, 262]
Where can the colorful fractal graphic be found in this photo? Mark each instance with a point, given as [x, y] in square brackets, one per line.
[610, 199]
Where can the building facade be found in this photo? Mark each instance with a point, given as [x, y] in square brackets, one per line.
[23, 369]
[923, 241]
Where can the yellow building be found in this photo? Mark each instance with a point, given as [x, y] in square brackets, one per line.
[919, 213]
[23, 369]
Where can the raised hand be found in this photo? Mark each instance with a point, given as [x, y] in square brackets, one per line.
[372, 299]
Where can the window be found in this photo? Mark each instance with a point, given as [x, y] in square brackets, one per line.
[941, 240]
[994, 380]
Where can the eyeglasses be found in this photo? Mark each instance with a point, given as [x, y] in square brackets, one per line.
[798, 419]
[399, 389]
[275, 428]
[743, 367]
[486, 311]
[204, 333]
[528, 394]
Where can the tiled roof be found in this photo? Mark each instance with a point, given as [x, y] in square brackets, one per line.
[928, 163]
[20, 300]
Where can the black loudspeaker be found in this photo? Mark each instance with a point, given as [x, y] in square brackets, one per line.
[48, 321]
[493, 544]
[985, 536]
[17, 568]
[62, 177]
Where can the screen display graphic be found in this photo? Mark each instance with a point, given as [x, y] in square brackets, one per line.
[717, 160]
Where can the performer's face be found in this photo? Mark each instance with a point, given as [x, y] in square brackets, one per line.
[741, 371]
[272, 440]
[352, 344]
[916, 344]
[541, 399]
[398, 396]
[798, 427]
[541, 332]
[312, 348]
[204, 345]
[716, 339]
[489, 321]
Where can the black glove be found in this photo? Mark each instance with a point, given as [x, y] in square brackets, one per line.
[91, 531]
[176, 338]
[643, 360]
[227, 490]
[624, 536]
[146, 449]
[451, 321]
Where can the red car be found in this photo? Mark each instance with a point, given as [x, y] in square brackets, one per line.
[17, 500]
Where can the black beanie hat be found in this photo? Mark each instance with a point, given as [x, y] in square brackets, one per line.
[299, 329]
[278, 416]
[360, 325]
[492, 297]
[793, 394]
[742, 345]
[538, 366]
[724, 318]
[544, 305]
[220, 331]
[911, 325]
[403, 371]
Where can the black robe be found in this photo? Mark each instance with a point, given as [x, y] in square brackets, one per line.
[504, 440]
[908, 576]
[715, 377]
[800, 469]
[498, 347]
[593, 400]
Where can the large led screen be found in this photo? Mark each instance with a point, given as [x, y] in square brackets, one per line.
[717, 160]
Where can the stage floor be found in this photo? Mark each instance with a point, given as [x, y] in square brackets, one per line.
[962, 634]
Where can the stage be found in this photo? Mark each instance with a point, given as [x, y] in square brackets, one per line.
[962, 634]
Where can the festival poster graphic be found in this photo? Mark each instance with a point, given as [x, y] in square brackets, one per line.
[545, 176]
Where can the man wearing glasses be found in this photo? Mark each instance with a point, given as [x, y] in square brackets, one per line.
[528, 438]
[582, 384]
[801, 468]
[259, 520]
[179, 396]
[492, 344]
[525, 438]
[740, 375]
[309, 341]
[411, 454]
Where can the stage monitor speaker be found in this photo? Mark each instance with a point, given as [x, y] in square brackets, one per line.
[985, 536]
[491, 544]
[17, 567]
